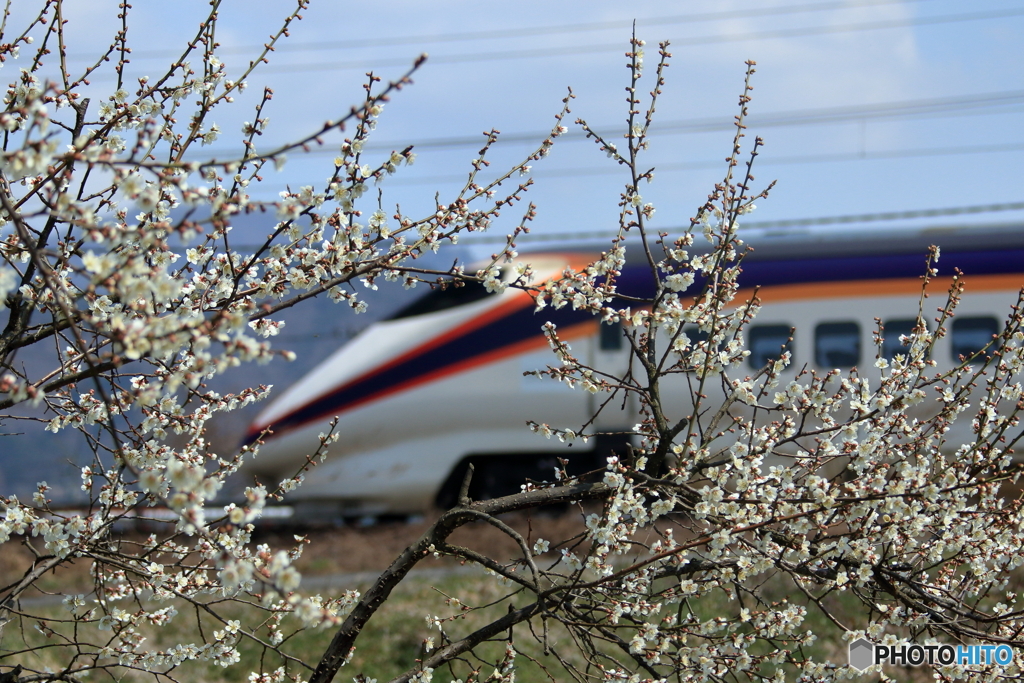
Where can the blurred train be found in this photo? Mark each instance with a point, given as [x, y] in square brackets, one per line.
[440, 384]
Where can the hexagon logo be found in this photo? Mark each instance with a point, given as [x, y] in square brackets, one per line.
[862, 654]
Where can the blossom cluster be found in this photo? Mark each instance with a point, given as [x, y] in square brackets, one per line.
[118, 266]
[896, 490]
[116, 258]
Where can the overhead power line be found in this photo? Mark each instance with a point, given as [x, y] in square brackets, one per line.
[793, 117]
[529, 53]
[563, 236]
[762, 161]
[888, 215]
[543, 236]
[866, 111]
[526, 31]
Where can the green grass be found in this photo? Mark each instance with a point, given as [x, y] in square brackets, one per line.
[393, 640]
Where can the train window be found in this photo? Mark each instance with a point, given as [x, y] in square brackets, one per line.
[765, 341]
[695, 334]
[894, 329]
[698, 335]
[837, 345]
[970, 335]
[610, 337]
[441, 299]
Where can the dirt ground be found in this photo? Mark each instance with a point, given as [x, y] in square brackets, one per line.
[372, 548]
[330, 551]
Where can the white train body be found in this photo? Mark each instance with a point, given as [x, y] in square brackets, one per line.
[419, 396]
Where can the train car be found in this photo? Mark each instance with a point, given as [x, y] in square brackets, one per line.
[440, 384]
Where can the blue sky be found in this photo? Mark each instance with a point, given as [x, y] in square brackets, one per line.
[924, 98]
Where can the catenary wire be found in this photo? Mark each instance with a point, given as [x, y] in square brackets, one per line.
[529, 53]
[765, 160]
[543, 236]
[795, 117]
[910, 214]
[525, 31]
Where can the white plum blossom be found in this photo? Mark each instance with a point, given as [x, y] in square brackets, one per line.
[704, 537]
[119, 268]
